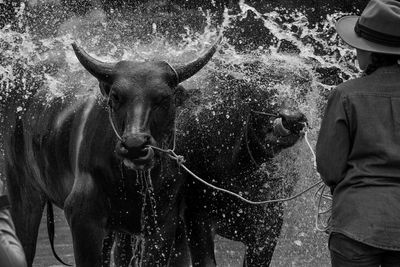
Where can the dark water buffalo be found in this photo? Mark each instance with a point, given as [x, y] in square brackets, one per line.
[227, 142]
[229, 145]
[65, 150]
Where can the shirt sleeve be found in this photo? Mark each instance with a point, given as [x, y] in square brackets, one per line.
[11, 251]
[333, 143]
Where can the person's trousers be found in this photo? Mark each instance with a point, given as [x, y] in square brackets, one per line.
[346, 252]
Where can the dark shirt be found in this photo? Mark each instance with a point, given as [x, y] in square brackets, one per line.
[358, 156]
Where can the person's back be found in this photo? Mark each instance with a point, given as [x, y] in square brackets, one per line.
[370, 109]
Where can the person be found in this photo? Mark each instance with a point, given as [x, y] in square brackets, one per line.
[11, 251]
[358, 146]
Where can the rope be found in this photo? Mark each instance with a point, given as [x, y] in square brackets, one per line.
[244, 199]
[265, 113]
[312, 151]
[180, 161]
[110, 118]
[319, 194]
[246, 140]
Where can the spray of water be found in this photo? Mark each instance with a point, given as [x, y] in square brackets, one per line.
[139, 239]
[301, 63]
[148, 211]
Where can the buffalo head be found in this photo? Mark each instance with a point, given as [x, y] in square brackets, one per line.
[142, 101]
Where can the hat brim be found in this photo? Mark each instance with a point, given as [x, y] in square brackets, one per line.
[345, 29]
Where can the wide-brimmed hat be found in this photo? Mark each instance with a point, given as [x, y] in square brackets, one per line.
[376, 30]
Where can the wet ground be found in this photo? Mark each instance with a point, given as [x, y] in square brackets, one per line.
[229, 253]
[63, 242]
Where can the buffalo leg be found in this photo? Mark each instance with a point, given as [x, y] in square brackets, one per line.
[108, 243]
[260, 254]
[180, 255]
[123, 250]
[263, 239]
[26, 210]
[158, 246]
[85, 209]
[201, 239]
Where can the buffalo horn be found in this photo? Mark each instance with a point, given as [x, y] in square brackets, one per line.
[192, 68]
[101, 70]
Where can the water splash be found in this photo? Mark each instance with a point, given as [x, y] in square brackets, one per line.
[302, 62]
[139, 240]
[152, 199]
[138, 248]
[58, 63]
[147, 191]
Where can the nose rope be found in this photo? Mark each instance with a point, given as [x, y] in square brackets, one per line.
[180, 161]
[266, 113]
[110, 118]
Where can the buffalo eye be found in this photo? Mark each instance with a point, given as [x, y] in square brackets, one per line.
[163, 102]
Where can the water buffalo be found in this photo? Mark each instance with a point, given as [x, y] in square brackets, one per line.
[228, 134]
[229, 143]
[88, 153]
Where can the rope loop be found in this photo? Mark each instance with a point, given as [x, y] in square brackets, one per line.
[180, 160]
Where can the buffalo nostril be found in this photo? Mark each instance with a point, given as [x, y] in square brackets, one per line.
[147, 139]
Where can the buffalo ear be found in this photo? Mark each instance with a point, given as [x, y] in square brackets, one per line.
[105, 88]
[180, 95]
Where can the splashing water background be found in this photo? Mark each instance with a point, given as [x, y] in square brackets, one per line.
[299, 60]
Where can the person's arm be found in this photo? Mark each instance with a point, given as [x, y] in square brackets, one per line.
[333, 143]
[11, 251]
